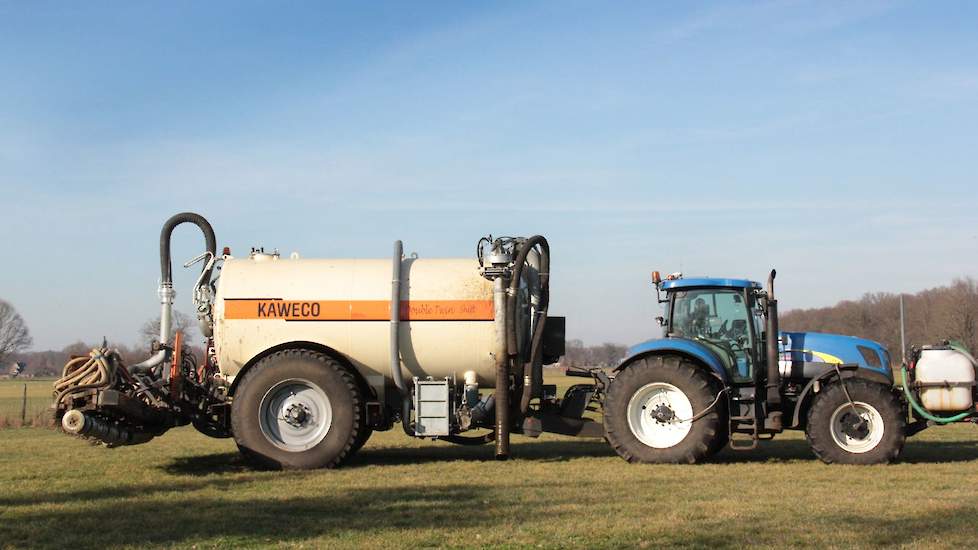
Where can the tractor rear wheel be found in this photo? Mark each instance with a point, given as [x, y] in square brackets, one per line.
[868, 430]
[297, 409]
[649, 410]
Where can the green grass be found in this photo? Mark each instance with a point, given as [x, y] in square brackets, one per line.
[186, 490]
[11, 399]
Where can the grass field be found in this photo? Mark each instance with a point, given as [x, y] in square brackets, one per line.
[11, 399]
[186, 490]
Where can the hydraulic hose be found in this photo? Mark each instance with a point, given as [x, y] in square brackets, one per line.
[922, 411]
[536, 340]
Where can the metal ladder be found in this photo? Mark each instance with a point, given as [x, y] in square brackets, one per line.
[750, 420]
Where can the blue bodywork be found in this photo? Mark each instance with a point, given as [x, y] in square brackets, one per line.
[818, 347]
[677, 284]
[684, 346]
[801, 352]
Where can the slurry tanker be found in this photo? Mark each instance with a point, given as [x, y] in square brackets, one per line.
[305, 358]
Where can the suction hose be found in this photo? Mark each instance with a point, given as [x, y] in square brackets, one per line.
[921, 410]
[535, 363]
[166, 291]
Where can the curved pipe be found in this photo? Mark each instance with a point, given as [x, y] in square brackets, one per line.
[166, 270]
[166, 291]
[536, 340]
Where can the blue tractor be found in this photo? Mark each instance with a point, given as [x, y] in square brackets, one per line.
[724, 374]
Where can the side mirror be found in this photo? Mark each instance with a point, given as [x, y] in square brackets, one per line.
[661, 320]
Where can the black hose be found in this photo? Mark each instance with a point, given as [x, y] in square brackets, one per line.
[536, 340]
[465, 440]
[166, 270]
[502, 410]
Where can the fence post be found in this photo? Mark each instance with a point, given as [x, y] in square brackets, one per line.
[23, 407]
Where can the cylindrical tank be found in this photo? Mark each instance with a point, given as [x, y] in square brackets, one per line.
[954, 374]
[448, 316]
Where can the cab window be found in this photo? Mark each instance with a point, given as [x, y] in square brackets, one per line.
[718, 319]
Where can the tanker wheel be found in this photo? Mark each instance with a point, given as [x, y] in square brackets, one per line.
[297, 409]
[361, 440]
[649, 408]
[869, 430]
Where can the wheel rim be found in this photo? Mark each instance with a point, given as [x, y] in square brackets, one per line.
[659, 415]
[852, 437]
[295, 415]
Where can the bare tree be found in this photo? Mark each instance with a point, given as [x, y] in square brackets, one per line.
[14, 335]
[181, 323]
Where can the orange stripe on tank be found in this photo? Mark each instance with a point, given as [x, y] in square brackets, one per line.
[357, 310]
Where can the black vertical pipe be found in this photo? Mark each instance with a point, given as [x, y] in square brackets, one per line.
[773, 367]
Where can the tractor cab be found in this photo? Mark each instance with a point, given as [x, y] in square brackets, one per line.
[723, 315]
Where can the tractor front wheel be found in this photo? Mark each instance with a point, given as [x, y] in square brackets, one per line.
[869, 429]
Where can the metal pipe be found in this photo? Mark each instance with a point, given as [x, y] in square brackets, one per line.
[773, 332]
[396, 319]
[501, 394]
[395, 339]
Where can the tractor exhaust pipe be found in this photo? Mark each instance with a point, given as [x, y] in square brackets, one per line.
[773, 368]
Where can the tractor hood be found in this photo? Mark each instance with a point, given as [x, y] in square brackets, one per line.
[802, 352]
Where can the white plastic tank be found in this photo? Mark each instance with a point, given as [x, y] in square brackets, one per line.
[942, 365]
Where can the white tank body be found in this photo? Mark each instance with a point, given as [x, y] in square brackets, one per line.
[448, 317]
[940, 365]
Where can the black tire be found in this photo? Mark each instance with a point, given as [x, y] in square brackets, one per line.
[723, 433]
[318, 369]
[691, 380]
[361, 440]
[832, 402]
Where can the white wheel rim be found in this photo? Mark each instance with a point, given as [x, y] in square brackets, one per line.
[843, 416]
[662, 397]
[295, 415]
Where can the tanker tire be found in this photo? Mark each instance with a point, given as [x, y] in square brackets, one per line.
[688, 378]
[362, 439]
[319, 369]
[873, 394]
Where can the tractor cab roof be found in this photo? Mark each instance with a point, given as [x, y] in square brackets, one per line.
[701, 282]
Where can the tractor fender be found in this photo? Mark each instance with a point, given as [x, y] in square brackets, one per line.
[846, 371]
[678, 346]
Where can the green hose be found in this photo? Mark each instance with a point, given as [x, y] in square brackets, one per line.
[922, 411]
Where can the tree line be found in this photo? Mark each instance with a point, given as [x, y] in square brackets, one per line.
[931, 316]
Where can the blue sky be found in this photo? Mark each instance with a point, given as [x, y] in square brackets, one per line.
[832, 140]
